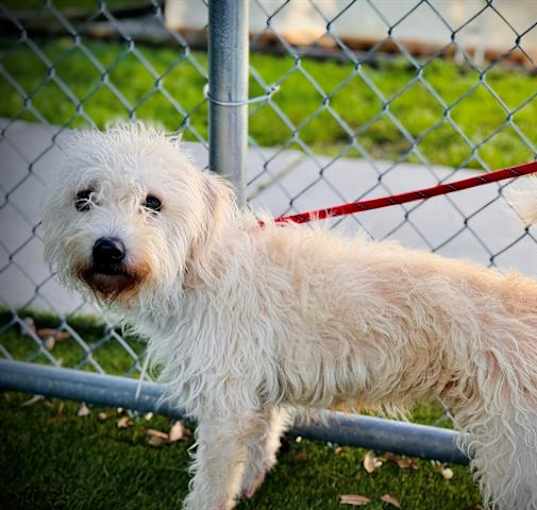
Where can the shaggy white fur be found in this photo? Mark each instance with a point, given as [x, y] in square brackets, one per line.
[248, 323]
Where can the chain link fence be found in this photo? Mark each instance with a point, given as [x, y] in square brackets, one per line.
[55, 41]
[359, 99]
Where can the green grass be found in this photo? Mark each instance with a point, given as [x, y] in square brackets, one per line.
[53, 458]
[478, 114]
[101, 343]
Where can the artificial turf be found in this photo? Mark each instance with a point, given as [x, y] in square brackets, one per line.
[438, 112]
[53, 458]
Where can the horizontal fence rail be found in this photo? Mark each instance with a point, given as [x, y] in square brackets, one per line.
[113, 391]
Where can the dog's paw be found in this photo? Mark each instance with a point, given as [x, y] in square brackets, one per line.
[252, 482]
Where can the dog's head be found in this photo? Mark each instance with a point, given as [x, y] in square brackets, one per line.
[131, 214]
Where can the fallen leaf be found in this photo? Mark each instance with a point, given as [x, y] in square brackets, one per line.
[156, 437]
[447, 473]
[83, 410]
[339, 450]
[124, 423]
[402, 462]
[370, 462]
[102, 416]
[148, 416]
[157, 433]
[407, 463]
[34, 400]
[50, 342]
[354, 500]
[155, 441]
[54, 333]
[178, 432]
[391, 500]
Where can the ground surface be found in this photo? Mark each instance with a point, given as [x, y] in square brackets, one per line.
[53, 458]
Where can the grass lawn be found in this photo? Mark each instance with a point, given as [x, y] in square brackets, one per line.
[119, 83]
[53, 458]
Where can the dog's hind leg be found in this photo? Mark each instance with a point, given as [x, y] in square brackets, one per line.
[262, 450]
[505, 460]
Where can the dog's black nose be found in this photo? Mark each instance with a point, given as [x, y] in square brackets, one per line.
[108, 250]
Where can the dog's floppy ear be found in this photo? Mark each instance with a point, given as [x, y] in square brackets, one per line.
[203, 261]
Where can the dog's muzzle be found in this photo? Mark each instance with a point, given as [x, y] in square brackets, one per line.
[108, 274]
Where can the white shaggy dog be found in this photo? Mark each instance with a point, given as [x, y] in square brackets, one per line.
[249, 321]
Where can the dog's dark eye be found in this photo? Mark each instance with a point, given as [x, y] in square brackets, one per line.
[82, 200]
[153, 203]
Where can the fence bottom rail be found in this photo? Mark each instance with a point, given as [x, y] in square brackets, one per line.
[113, 391]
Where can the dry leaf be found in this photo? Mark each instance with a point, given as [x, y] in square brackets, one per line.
[402, 462]
[155, 441]
[124, 423]
[157, 433]
[338, 450]
[447, 473]
[148, 416]
[354, 500]
[370, 462]
[407, 463]
[102, 416]
[50, 342]
[391, 500]
[83, 410]
[156, 437]
[54, 333]
[178, 432]
[34, 400]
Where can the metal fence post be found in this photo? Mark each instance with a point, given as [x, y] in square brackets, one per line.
[228, 90]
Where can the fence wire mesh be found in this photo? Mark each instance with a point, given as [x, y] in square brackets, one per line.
[60, 63]
[363, 99]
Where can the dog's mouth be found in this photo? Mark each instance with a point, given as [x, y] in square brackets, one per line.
[109, 281]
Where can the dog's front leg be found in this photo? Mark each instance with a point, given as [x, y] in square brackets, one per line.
[262, 449]
[222, 452]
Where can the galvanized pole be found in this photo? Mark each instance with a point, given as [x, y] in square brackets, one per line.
[228, 90]
[108, 390]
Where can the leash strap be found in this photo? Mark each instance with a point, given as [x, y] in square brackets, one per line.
[422, 194]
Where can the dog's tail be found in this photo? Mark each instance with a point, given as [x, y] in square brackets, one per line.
[523, 197]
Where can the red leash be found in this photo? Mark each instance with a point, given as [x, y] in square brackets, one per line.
[441, 189]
